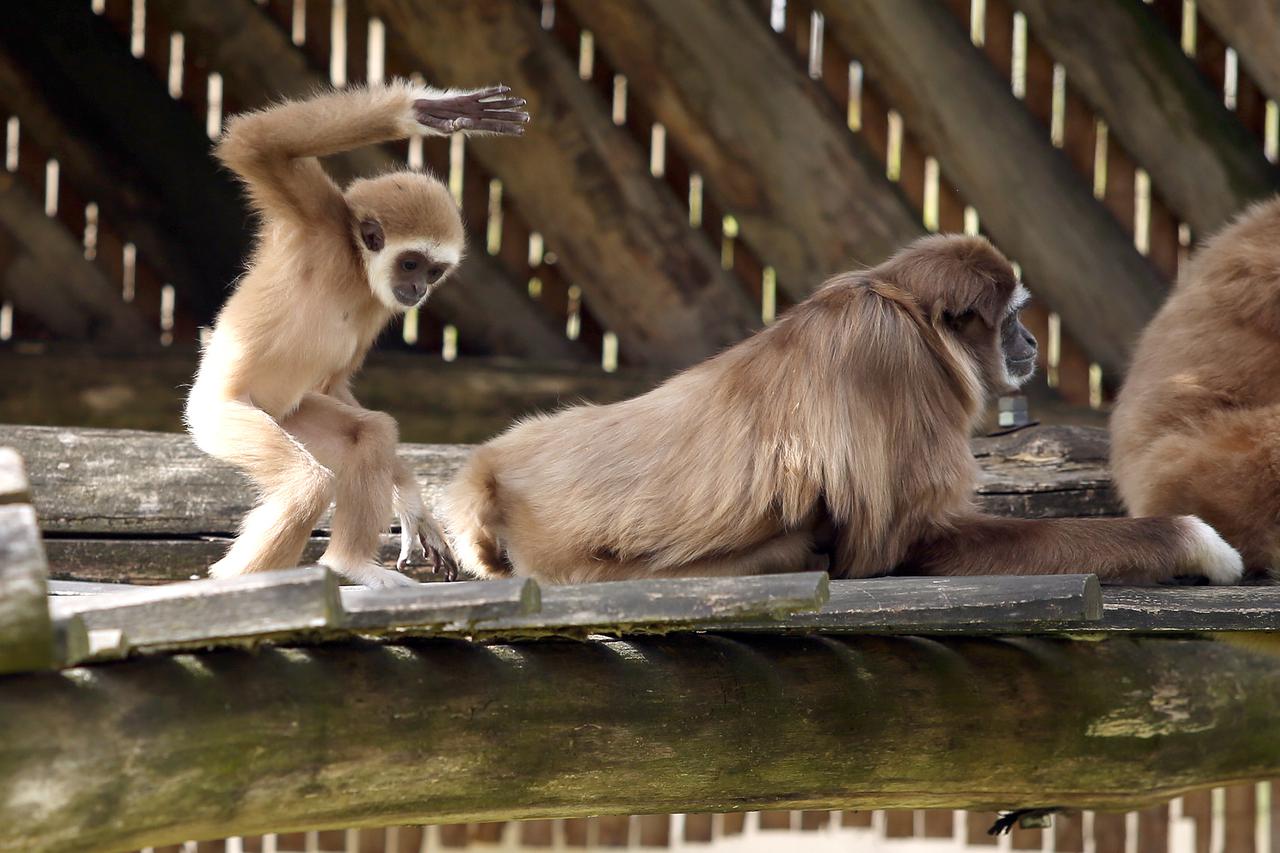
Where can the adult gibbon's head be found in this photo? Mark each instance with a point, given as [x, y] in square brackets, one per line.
[410, 235]
[969, 291]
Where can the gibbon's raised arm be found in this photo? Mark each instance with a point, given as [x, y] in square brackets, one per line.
[274, 150]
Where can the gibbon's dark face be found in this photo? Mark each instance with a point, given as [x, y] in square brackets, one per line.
[413, 275]
[1019, 348]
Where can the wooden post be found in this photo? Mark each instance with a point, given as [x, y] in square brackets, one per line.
[772, 148]
[1121, 58]
[26, 634]
[619, 233]
[362, 735]
[1030, 198]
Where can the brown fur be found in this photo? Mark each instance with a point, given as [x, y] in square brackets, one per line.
[850, 415]
[272, 395]
[1196, 427]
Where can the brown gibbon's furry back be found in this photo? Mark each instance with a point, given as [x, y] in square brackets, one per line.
[1196, 427]
[840, 431]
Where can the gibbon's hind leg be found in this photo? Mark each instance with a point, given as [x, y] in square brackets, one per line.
[295, 488]
[1226, 471]
[1117, 550]
[788, 552]
[420, 535]
[359, 447]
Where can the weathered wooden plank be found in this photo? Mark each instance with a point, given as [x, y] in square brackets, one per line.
[254, 606]
[618, 233]
[1252, 27]
[631, 607]
[14, 488]
[61, 587]
[453, 605]
[967, 605]
[438, 731]
[469, 400]
[1122, 59]
[770, 145]
[260, 65]
[26, 635]
[1181, 609]
[1075, 255]
[95, 481]
[50, 279]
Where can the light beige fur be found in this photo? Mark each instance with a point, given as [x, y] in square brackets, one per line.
[837, 436]
[272, 395]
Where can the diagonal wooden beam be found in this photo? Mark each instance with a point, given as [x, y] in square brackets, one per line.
[102, 93]
[260, 65]
[620, 234]
[772, 148]
[1029, 197]
[1120, 57]
[122, 195]
[1252, 27]
[44, 272]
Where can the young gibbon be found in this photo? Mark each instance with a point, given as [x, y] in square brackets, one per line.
[330, 269]
[1196, 427]
[842, 428]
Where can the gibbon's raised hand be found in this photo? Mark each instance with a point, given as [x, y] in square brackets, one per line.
[485, 111]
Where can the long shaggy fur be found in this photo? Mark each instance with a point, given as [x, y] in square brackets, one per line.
[842, 429]
[1196, 427]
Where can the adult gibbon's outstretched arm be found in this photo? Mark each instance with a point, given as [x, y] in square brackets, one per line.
[274, 150]
[840, 431]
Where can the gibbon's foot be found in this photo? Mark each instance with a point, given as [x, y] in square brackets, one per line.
[420, 536]
[1211, 555]
[485, 111]
[368, 573]
[223, 569]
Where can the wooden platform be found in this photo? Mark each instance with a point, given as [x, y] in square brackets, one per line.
[158, 713]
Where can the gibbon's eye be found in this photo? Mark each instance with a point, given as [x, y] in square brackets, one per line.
[409, 265]
[434, 273]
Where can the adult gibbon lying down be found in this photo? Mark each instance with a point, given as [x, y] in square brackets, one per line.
[1197, 425]
[841, 429]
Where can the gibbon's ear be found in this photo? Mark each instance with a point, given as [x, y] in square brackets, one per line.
[371, 234]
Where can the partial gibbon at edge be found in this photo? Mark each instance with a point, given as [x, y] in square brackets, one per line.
[1196, 427]
[841, 430]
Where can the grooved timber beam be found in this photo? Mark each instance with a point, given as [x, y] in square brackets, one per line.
[87, 77]
[150, 751]
[45, 274]
[1000, 159]
[1252, 27]
[1121, 58]
[620, 234]
[123, 198]
[773, 150]
[259, 65]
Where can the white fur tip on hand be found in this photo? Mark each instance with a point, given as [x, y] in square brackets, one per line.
[1211, 555]
[385, 578]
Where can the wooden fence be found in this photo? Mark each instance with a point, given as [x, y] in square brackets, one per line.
[762, 146]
